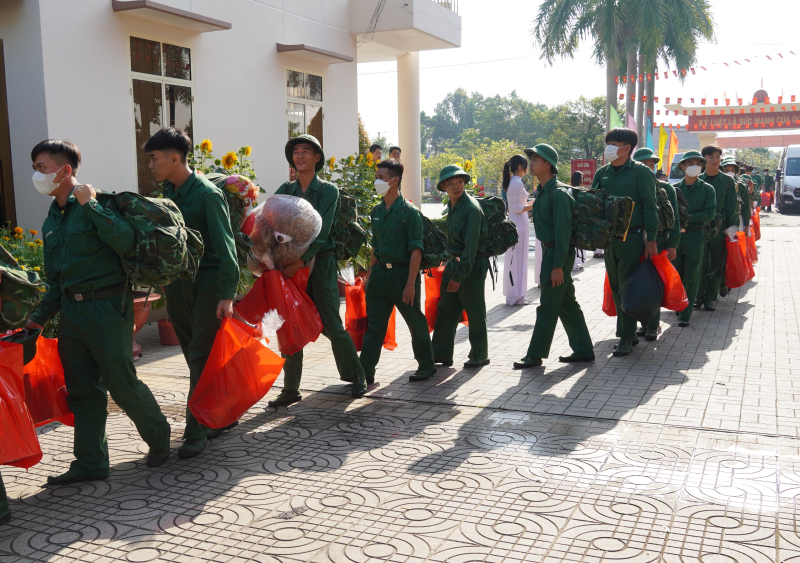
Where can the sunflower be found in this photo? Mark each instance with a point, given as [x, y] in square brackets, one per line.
[350, 160]
[331, 162]
[18, 230]
[206, 145]
[247, 150]
[229, 160]
[33, 232]
[369, 159]
[467, 165]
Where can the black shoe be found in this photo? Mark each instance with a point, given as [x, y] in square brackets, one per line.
[5, 518]
[192, 448]
[476, 363]
[527, 362]
[683, 323]
[69, 478]
[359, 385]
[214, 433]
[572, 358]
[724, 290]
[157, 457]
[285, 399]
[421, 375]
[444, 363]
[651, 335]
[641, 332]
[710, 307]
[370, 380]
[697, 305]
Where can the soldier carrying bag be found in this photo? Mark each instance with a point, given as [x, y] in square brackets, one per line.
[348, 233]
[599, 217]
[502, 232]
[20, 292]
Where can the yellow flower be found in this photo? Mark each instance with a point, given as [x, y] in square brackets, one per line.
[33, 232]
[18, 237]
[350, 160]
[6, 238]
[42, 289]
[369, 159]
[36, 268]
[38, 241]
[229, 160]
[467, 165]
[206, 146]
[331, 161]
[29, 244]
[23, 266]
[18, 230]
[247, 151]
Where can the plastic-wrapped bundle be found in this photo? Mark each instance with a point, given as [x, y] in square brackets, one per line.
[285, 226]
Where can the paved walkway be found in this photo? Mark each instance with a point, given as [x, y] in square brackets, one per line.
[685, 451]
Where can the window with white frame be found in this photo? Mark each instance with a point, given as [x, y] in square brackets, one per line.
[304, 109]
[161, 84]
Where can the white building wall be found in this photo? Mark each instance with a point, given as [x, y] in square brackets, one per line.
[80, 73]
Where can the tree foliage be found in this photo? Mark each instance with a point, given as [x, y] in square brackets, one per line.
[759, 158]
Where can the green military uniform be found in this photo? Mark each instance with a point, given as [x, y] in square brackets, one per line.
[466, 240]
[668, 238]
[713, 271]
[769, 182]
[689, 262]
[192, 305]
[87, 284]
[5, 509]
[552, 220]
[322, 285]
[636, 181]
[396, 232]
[758, 181]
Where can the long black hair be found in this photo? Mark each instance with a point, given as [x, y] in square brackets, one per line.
[511, 166]
[576, 179]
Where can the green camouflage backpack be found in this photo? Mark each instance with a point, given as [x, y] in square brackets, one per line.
[713, 226]
[164, 248]
[683, 208]
[20, 292]
[434, 243]
[666, 215]
[502, 232]
[599, 217]
[236, 209]
[348, 233]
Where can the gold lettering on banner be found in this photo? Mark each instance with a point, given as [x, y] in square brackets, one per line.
[745, 121]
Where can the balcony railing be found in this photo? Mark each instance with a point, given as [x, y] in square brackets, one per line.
[449, 4]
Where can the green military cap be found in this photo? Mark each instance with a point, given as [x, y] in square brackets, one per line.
[645, 153]
[27, 337]
[689, 155]
[546, 152]
[730, 162]
[307, 139]
[452, 171]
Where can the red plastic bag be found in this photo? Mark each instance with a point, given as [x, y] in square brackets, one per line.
[19, 445]
[301, 322]
[45, 390]
[764, 199]
[675, 298]
[355, 317]
[737, 272]
[609, 308]
[240, 370]
[433, 284]
[752, 253]
[755, 226]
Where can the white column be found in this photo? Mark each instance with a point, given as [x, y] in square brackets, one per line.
[408, 125]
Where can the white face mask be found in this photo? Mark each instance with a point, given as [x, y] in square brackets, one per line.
[44, 183]
[611, 153]
[693, 170]
[382, 187]
[731, 174]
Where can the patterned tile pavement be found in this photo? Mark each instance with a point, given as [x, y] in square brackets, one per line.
[686, 451]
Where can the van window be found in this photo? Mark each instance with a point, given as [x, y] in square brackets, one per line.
[793, 167]
[676, 173]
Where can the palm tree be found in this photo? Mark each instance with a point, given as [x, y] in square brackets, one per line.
[635, 32]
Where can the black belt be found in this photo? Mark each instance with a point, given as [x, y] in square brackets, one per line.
[548, 244]
[692, 229]
[102, 293]
[325, 254]
[392, 265]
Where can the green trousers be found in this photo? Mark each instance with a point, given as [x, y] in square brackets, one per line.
[559, 303]
[712, 275]
[324, 292]
[94, 342]
[656, 320]
[4, 508]
[470, 298]
[384, 293]
[689, 264]
[622, 258]
[192, 308]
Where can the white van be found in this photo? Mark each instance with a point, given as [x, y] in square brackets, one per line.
[787, 188]
[675, 173]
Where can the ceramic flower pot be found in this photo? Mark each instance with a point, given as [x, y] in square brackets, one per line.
[166, 333]
[141, 310]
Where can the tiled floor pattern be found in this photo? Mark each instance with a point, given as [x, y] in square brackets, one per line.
[686, 451]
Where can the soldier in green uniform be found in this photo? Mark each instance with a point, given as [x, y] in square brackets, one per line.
[464, 275]
[732, 168]
[87, 285]
[304, 154]
[702, 206]
[628, 178]
[715, 252]
[394, 279]
[552, 219]
[769, 187]
[667, 239]
[196, 307]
